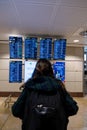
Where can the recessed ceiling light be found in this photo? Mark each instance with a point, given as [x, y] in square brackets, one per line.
[75, 41]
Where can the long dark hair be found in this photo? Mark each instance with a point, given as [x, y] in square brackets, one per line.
[43, 68]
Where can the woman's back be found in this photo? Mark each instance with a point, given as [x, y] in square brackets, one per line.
[43, 109]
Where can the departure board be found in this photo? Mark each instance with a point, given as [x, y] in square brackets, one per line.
[30, 48]
[15, 71]
[59, 49]
[46, 48]
[29, 68]
[59, 70]
[15, 47]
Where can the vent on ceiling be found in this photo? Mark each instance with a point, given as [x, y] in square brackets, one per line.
[83, 33]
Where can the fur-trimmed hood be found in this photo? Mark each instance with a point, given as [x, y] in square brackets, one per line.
[43, 83]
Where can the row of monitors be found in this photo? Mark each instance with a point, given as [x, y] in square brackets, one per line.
[31, 46]
[15, 70]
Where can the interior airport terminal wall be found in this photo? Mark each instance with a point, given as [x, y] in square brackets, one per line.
[5, 87]
[73, 71]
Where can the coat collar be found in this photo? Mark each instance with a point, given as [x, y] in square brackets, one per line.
[43, 83]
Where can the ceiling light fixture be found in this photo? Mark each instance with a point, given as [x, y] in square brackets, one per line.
[75, 41]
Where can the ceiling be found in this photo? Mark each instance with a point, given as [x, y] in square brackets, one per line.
[58, 18]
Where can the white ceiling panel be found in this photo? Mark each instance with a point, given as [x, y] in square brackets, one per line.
[69, 17]
[55, 17]
[75, 3]
[38, 1]
[34, 13]
[4, 1]
[35, 16]
[8, 17]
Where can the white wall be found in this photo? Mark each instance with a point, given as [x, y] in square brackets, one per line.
[73, 70]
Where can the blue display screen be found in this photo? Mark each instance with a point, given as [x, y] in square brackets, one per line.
[15, 71]
[15, 47]
[59, 49]
[46, 48]
[59, 70]
[30, 48]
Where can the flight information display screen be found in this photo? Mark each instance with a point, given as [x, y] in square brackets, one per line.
[59, 49]
[46, 48]
[15, 47]
[29, 68]
[59, 70]
[15, 71]
[30, 48]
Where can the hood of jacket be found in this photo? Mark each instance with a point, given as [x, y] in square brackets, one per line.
[42, 83]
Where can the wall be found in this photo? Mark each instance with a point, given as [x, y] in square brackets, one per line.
[5, 86]
[73, 71]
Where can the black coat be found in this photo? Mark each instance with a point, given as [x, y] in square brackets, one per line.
[35, 89]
